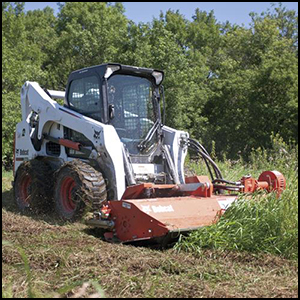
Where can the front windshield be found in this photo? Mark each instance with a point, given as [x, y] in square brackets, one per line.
[133, 109]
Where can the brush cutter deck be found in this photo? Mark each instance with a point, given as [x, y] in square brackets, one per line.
[150, 218]
[148, 211]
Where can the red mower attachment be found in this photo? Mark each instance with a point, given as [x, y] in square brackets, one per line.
[161, 212]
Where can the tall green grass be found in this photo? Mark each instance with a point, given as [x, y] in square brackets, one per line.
[260, 223]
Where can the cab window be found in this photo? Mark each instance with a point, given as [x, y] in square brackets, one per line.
[84, 97]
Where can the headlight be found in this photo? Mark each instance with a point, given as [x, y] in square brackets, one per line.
[158, 77]
[111, 69]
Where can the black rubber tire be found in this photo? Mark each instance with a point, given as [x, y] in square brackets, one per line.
[33, 187]
[78, 189]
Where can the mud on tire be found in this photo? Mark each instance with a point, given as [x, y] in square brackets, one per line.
[79, 189]
[33, 187]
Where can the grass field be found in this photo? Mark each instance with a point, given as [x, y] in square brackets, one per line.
[43, 258]
[262, 223]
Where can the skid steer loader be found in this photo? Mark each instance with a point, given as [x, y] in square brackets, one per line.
[106, 151]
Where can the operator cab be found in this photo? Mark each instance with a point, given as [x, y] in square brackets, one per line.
[125, 97]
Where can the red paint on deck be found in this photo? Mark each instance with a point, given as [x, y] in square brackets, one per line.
[148, 218]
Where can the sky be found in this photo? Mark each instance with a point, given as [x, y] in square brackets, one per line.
[234, 12]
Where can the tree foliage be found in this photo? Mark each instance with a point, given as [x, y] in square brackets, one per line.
[230, 84]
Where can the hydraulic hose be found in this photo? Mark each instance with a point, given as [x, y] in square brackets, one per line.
[226, 181]
[205, 160]
[202, 151]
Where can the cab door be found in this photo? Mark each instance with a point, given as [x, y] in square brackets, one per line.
[84, 96]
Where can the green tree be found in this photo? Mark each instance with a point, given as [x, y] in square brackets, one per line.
[227, 83]
[22, 60]
[90, 33]
[255, 88]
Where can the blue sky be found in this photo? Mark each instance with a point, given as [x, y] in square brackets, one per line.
[234, 12]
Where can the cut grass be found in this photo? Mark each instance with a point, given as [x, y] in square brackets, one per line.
[62, 259]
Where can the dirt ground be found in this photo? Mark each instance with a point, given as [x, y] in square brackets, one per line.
[43, 258]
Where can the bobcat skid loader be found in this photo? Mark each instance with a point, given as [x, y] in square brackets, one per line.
[106, 151]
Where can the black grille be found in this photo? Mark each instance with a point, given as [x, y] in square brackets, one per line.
[138, 110]
[132, 98]
[52, 149]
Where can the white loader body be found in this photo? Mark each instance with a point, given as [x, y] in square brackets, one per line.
[107, 147]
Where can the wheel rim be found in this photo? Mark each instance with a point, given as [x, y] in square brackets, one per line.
[67, 194]
[24, 190]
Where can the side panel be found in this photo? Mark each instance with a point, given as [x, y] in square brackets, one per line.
[24, 149]
[104, 137]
